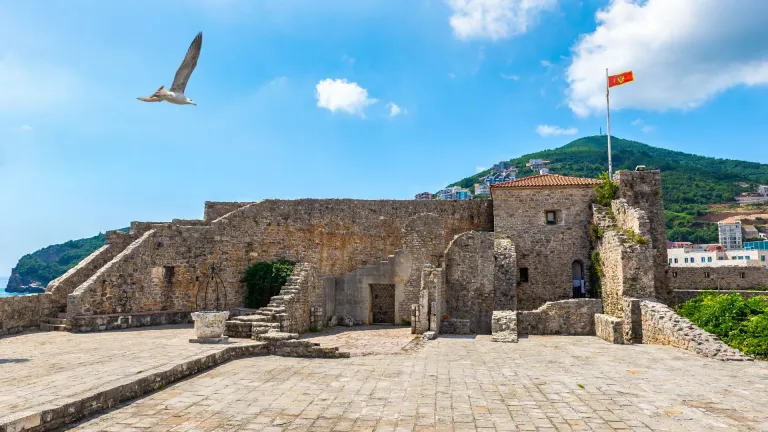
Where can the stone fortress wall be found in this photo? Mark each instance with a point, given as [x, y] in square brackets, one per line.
[442, 266]
[168, 264]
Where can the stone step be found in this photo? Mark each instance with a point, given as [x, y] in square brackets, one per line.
[53, 327]
[274, 310]
[267, 325]
[54, 321]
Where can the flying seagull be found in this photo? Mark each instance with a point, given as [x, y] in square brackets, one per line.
[176, 94]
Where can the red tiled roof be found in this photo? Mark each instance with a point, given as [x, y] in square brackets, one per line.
[545, 180]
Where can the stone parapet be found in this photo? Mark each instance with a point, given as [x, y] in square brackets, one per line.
[662, 326]
[20, 313]
[718, 278]
[565, 317]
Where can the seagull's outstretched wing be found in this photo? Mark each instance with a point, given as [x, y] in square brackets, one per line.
[152, 98]
[188, 65]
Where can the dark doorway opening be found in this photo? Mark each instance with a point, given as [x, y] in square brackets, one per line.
[579, 284]
[383, 303]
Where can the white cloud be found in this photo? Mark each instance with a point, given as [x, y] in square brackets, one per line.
[395, 110]
[495, 19]
[342, 95]
[347, 59]
[34, 86]
[646, 128]
[546, 63]
[25, 128]
[683, 53]
[548, 131]
[509, 77]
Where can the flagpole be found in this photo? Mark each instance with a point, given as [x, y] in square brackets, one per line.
[608, 111]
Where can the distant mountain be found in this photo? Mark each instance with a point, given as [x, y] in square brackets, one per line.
[689, 182]
[33, 271]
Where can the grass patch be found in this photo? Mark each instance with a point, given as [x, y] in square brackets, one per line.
[742, 324]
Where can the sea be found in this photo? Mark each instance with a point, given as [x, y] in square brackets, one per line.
[3, 284]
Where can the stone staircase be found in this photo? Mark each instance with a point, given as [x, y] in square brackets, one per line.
[55, 324]
[271, 317]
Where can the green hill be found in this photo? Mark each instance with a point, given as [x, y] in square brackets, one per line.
[690, 183]
[48, 263]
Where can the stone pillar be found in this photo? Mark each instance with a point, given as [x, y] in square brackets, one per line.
[504, 326]
[642, 189]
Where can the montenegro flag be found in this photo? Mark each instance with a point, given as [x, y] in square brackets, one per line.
[622, 78]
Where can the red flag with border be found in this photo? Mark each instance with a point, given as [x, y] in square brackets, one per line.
[622, 78]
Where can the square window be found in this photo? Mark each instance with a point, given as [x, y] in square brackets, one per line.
[670, 260]
[675, 260]
[706, 275]
[743, 275]
[551, 217]
[762, 258]
[702, 259]
[709, 259]
[524, 274]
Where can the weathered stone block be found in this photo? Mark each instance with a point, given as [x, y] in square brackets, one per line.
[504, 326]
[609, 328]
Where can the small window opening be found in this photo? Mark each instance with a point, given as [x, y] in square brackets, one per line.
[168, 274]
[551, 217]
[524, 274]
[706, 275]
[674, 274]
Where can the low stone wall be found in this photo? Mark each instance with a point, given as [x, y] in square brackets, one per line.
[681, 296]
[662, 326]
[20, 313]
[712, 278]
[504, 326]
[609, 328]
[565, 317]
[91, 323]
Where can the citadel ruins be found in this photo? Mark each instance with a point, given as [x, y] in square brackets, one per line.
[517, 264]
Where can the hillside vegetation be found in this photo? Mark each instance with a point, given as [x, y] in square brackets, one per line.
[689, 182]
[53, 261]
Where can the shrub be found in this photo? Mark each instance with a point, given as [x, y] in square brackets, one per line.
[606, 191]
[595, 274]
[264, 280]
[742, 324]
[595, 232]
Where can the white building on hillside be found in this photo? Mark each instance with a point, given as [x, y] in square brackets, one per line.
[730, 234]
[683, 257]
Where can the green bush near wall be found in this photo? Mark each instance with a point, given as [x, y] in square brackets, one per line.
[264, 280]
[742, 324]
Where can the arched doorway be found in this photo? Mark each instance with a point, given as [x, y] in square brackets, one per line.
[579, 284]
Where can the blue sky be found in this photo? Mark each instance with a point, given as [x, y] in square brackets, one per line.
[295, 98]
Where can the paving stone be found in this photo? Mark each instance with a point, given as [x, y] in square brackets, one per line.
[458, 384]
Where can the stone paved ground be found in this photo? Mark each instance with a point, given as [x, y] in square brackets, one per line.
[367, 340]
[463, 384]
[43, 369]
